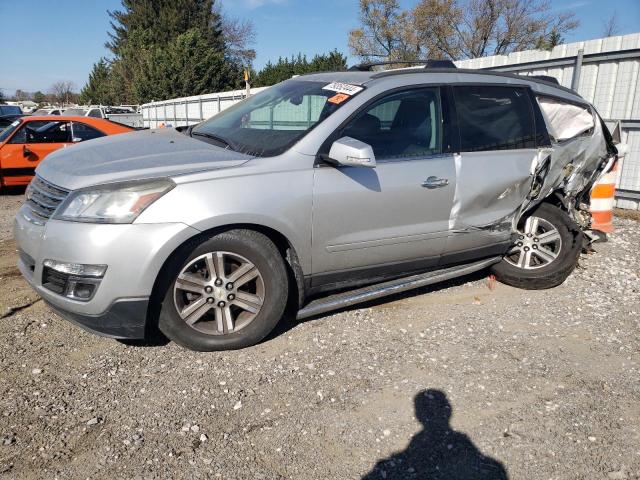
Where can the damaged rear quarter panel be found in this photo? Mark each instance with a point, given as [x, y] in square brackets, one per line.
[494, 189]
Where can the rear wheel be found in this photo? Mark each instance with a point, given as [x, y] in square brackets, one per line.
[545, 253]
[226, 292]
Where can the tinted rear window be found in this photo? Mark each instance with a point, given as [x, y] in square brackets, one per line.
[10, 110]
[494, 118]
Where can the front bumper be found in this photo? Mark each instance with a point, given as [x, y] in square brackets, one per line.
[134, 254]
[125, 319]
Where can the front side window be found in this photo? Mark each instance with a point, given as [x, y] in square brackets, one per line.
[494, 118]
[83, 132]
[402, 125]
[272, 121]
[43, 132]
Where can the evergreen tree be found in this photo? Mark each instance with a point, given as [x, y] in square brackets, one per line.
[163, 49]
[39, 97]
[550, 40]
[98, 88]
[286, 68]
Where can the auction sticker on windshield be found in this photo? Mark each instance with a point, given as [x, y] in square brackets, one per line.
[344, 88]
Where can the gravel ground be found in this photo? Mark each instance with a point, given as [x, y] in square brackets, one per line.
[466, 380]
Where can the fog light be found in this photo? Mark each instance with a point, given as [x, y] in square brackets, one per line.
[76, 268]
[80, 290]
[72, 280]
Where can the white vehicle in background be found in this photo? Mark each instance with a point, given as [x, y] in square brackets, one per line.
[48, 111]
[74, 112]
[124, 114]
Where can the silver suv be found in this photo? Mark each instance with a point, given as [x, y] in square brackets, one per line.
[321, 192]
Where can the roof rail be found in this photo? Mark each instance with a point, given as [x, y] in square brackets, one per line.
[545, 78]
[368, 67]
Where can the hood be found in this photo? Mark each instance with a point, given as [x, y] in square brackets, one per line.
[131, 156]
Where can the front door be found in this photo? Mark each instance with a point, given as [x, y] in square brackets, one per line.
[29, 145]
[44, 138]
[374, 222]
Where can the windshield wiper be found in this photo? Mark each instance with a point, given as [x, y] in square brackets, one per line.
[225, 143]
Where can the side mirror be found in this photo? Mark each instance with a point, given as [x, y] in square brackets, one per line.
[350, 152]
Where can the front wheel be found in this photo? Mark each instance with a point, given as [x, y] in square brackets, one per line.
[226, 292]
[545, 253]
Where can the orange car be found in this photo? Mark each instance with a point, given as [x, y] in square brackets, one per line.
[28, 140]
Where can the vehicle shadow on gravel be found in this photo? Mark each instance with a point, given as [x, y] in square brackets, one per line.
[289, 321]
[12, 190]
[437, 451]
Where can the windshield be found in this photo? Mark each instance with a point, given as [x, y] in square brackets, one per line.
[272, 121]
[4, 134]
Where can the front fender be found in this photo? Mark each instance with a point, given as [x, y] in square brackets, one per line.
[280, 201]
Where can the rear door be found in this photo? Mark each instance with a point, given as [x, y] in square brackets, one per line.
[394, 218]
[498, 152]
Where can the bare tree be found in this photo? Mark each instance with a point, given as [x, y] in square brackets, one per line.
[454, 28]
[62, 91]
[611, 26]
[21, 95]
[239, 36]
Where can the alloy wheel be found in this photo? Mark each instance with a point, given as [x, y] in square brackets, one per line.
[219, 293]
[539, 243]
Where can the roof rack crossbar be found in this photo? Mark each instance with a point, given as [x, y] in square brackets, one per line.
[428, 63]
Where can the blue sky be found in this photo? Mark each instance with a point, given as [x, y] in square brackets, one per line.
[43, 41]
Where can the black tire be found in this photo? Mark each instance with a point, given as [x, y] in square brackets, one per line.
[555, 272]
[253, 246]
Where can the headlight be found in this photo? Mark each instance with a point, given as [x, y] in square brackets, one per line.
[113, 203]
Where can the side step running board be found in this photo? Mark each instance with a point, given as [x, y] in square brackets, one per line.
[372, 292]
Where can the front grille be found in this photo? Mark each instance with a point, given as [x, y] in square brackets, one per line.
[43, 198]
[54, 281]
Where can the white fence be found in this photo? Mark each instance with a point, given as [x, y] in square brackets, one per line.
[604, 71]
[183, 111]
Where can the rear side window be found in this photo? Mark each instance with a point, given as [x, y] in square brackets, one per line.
[494, 118]
[83, 132]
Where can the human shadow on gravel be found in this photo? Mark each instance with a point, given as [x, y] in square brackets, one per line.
[438, 451]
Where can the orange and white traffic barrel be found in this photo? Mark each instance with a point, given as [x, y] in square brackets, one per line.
[602, 198]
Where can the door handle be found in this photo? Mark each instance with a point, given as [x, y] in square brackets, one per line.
[435, 182]
[26, 153]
